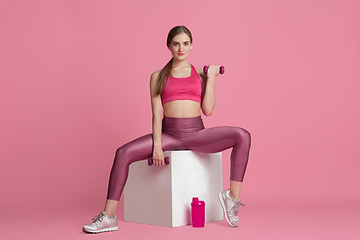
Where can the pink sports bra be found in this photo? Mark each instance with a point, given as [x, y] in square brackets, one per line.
[188, 88]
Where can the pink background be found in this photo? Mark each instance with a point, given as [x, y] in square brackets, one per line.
[75, 86]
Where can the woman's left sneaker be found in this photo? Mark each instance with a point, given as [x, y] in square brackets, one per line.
[230, 207]
[102, 223]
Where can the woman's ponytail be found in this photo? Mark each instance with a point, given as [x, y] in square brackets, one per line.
[163, 75]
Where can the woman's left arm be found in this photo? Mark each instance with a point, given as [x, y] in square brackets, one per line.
[208, 98]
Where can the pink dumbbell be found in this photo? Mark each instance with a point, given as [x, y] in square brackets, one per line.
[221, 71]
[150, 162]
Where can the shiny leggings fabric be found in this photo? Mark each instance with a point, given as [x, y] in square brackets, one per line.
[182, 134]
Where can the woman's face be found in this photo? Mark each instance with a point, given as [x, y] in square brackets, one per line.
[180, 46]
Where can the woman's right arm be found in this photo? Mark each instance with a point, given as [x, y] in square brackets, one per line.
[156, 106]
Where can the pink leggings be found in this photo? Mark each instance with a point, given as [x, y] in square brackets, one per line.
[182, 134]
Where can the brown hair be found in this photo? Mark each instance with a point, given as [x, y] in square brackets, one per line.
[166, 71]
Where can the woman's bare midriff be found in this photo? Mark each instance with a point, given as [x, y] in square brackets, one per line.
[182, 109]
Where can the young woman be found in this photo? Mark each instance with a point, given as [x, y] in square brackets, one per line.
[179, 92]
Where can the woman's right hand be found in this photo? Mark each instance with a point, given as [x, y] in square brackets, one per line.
[158, 156]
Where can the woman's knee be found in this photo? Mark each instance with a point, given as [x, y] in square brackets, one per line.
[121, 159]
[121, 153]
[244, 136]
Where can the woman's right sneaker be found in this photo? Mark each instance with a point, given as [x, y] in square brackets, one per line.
[230, 207]
[102, 223]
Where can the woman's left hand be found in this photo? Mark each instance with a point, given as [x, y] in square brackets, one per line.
[213, 71]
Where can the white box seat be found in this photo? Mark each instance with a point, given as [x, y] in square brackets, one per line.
[162, 195]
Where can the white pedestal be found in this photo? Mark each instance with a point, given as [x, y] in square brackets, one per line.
[162, 195]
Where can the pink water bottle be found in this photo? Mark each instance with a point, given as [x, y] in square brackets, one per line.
[197, 212]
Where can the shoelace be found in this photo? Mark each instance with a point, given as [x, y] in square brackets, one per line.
[98, 218]
[236, 207]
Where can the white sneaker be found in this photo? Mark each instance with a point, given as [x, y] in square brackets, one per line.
[230, 207]
[102, 223]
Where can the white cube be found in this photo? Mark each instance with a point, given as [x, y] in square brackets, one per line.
[162, 195]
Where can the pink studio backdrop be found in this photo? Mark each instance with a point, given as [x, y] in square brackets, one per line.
[75, 86]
